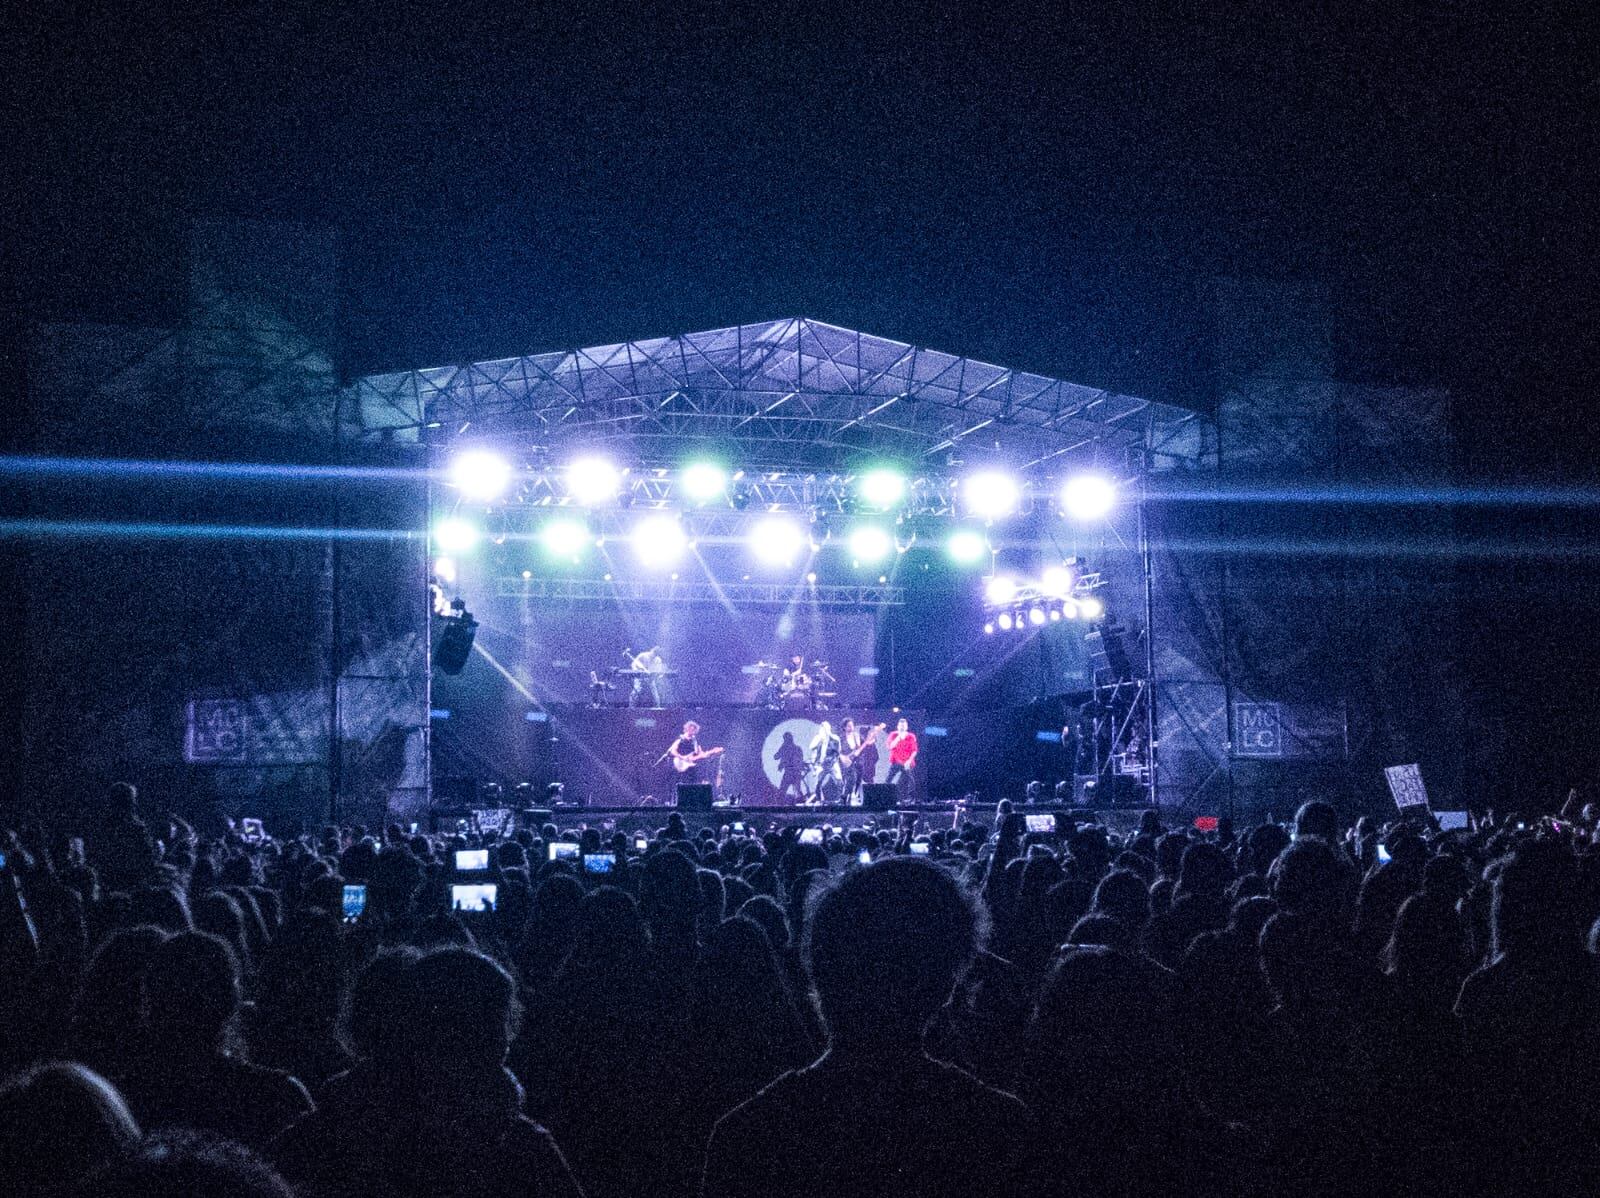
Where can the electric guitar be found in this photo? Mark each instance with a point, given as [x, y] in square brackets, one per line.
[866, 740]
[687, 761]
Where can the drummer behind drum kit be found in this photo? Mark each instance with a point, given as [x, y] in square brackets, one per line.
[799, 688]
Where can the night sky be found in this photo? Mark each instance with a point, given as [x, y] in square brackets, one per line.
[1051, 189]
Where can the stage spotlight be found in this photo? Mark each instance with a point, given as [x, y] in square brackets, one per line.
[1036, 616]
[988, 629]
[592, 481]
[444, 569]
[1055, 615]
[703, 481]
[659, 540]
[1091, 608]
[1069, 609]
[967, 547]
[481, 475]
[455, 535]
[812, 577]
[1004, 620]
[869, 543]
[1056, 582]
[1088, 497]
[882, 488]
[777, 540]
[999, 589]
[991, 494]
[564, 538]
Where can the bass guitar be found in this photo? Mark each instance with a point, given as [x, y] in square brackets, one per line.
[866, 740]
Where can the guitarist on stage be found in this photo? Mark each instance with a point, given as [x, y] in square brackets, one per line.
[687, 754]
[859, 756]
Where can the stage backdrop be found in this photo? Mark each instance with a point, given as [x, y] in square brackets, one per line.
[608, 757]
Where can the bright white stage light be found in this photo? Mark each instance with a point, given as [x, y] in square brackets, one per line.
[592, 481]
[564, 538]
[1069, 609]
[777, 540]
[1004, 620]
[967, 547]
[988, 629]
[480, 475]
[1091, 608]
[659, 540]
[444, 569]
[869, 543]
[1088, 497]
[991, 494]
[1036, 616]
[1055, 615]
[1056, 582]
[882, 488]
[703, 481]
[455, 535]
[1000, 589]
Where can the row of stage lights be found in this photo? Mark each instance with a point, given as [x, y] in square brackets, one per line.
[1060, 593]
[659, 540]
[593, 481]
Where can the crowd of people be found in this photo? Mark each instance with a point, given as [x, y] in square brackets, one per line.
[972, 1009]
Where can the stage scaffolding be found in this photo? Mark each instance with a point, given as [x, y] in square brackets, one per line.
[797, 406]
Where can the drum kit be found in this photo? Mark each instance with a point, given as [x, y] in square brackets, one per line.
[797, 688]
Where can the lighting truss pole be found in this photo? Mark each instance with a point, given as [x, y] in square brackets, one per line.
[1148, 571]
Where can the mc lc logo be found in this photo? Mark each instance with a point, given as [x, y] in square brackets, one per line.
[1258, 730]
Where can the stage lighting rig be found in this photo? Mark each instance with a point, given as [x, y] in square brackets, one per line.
[881, 488]
[967, 547]
[480, 475]
[777, 540]
[592, 481]
[703, 481]
[659, 540]
[564, 537]
[991, 494]
[1088, 497]
[456, 535]
[870, 543]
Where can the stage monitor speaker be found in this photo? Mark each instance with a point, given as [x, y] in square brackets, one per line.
[879, 796]
[694, 796]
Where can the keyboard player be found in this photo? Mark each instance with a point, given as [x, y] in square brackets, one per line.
[647, 669]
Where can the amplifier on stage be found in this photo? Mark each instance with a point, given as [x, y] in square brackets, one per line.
[879, 796]
[695, 796]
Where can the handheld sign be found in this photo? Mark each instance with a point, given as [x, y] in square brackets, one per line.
[1405, 784]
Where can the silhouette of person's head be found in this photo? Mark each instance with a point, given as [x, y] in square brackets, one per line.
[1532, 911]
[186, 1164]
[1308, 878]
[609, 930]
[59, 1124]
[1317, 818]
[885, 946]
[191, 993]
[459, 1010]
[1123, 896]
[372, 1026]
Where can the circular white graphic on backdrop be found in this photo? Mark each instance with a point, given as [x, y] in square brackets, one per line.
[780, 755]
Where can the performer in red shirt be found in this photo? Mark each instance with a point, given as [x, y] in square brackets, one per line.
[902, 755]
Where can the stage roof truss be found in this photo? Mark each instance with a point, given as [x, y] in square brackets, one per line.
[790, 393]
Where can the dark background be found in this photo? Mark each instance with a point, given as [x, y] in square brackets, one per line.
[1054, 190]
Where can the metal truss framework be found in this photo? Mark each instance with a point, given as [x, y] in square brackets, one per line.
[792, 394]
[749, 594]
